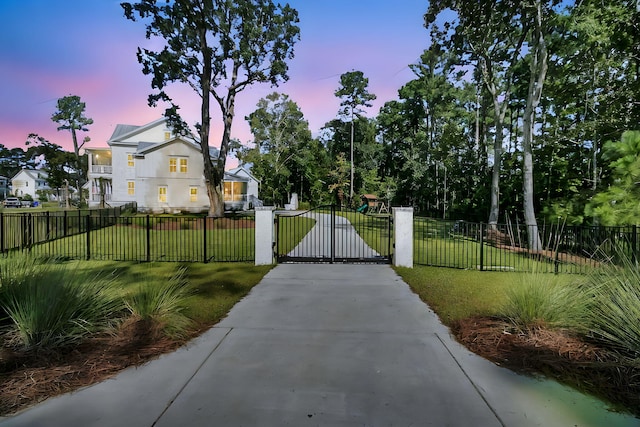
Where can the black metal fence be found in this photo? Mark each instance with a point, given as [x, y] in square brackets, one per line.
[104, 235]
[506, 247]
[111, 234]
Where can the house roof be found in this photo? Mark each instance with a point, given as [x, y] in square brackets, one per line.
[243, 168]
[33, 174]
[123, 131]
[147, 147]
[231, 177]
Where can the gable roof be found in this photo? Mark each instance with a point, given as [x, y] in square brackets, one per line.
[242, 168]
[147, 147]
[123, 131]
[33, 174]
[229, 177]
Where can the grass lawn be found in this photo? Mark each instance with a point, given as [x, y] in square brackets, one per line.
[373, 229]
[458, 294]
[129, 242]
[216, 287]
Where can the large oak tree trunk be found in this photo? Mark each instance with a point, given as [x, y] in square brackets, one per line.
[494, 209]
[538, 72]
[213, 175]
[499, 113]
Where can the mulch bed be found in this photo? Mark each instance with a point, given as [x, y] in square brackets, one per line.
[29, 377]
[555, 354]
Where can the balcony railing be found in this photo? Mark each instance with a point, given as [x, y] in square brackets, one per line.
[97, 197]
[102, 169]
[235, 198]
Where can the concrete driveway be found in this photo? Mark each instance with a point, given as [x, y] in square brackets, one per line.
[324, 345]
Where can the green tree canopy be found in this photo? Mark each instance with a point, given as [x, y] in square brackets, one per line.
[281, 138]
[620, 203]
[70, 116]
[354, 94]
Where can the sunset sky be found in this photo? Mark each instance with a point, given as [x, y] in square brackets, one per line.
[49, 49]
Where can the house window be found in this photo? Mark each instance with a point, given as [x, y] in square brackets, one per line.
[162, 194]
[173, 162]
[130, 160]
[183, 165]
[167, 136]
[193, 194]
[131, 188]
[235, 191]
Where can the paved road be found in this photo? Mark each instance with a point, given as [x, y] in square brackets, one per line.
[324, 345]
[317, 242]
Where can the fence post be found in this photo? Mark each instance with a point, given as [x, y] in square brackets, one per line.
[403, 236]
[1, 232]
[23, 232]
[30, 231]
[634, 244]
[264, 236]
[88, 225]
[204, 240]
[65, 224]
[332, 234]
[481, 247]
[148, 227]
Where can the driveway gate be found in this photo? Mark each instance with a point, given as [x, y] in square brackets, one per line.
[333, 234]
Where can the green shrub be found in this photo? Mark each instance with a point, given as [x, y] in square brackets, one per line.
[544, 299]
[162, 303]
[52, 305]
[615, 310]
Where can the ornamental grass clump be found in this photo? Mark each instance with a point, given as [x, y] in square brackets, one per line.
[51, 305]
[615, 310]
[161, 304]
[540, 299]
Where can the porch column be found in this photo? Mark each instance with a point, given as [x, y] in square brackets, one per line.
[403, 236]
[264, 235]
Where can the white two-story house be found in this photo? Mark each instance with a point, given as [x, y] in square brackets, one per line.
[160, 171]
[29, 181]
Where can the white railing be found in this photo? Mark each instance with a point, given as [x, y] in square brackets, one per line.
[102, 169]
[235, 198]
[97, 197]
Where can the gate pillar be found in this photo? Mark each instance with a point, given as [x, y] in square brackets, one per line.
[403, 236]
[264, 235]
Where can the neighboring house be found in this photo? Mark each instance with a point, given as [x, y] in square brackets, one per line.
[240, 189]
[158, 170]
[4, 187]
[29, 181]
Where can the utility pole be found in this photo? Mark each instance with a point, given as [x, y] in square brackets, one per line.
[351, 180]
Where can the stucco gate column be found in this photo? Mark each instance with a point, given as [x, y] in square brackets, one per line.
[403, 236]
[264, 235]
